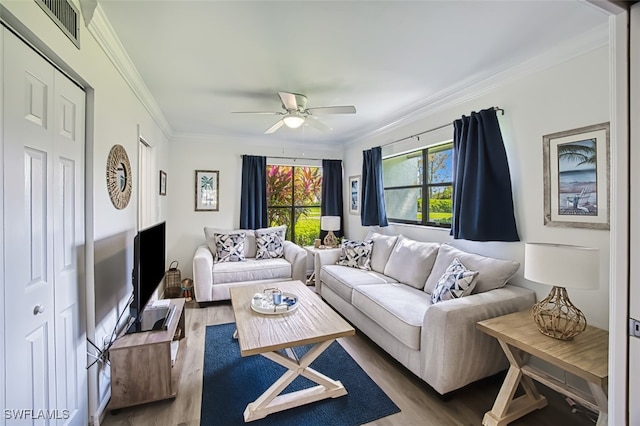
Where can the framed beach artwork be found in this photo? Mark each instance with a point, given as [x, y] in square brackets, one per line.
[354, 194]
[163, 182]
[207, 184]
[576, 178]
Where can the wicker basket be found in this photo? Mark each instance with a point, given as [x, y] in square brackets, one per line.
[172, 282]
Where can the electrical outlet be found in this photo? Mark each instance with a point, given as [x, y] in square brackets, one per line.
[634, 327]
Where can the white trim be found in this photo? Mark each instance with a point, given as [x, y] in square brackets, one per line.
[108, 40]
[481, 84]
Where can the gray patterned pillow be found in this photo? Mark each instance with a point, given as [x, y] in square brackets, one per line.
[356, 254]
[269, 244]
[456, 282]
[230, 247]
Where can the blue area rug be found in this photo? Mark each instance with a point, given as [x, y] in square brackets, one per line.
[231, 382]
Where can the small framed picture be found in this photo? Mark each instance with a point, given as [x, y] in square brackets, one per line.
[207, 183]
[163, 183]
[354, 194]
[576, 178]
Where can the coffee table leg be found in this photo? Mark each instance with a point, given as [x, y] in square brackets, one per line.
[271, 401]
[505, 408]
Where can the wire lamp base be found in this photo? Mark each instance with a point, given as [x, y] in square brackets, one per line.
[557, 317]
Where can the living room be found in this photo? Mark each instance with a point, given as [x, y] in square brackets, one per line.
[564, 88]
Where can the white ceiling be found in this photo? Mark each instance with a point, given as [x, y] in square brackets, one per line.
[201, 60]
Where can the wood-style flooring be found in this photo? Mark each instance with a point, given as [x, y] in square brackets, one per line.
[419, 404]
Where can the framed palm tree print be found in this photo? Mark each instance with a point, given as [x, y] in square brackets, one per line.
[576, 178]
[207, 190]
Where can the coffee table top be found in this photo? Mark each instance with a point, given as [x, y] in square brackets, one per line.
[314, 321]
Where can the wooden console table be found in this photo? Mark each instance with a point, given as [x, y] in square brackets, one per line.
[141, 365]
[586, 356]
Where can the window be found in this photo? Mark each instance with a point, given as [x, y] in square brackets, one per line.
[410, 178]
[293, 199]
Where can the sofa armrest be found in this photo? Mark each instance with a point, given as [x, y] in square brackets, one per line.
[455, 352]
[297, 256]
[202, 273]
[324, 257]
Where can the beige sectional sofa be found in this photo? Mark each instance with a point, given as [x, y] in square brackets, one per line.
[212, 279]
[392, 304]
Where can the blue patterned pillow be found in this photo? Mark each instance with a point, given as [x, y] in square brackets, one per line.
[269, 245]
[457, 281]
[230, 247]
[356, 254]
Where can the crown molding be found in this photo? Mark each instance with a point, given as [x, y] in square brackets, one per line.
[106, 37]
[482, 83]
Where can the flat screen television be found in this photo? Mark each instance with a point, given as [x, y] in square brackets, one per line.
[148, 271]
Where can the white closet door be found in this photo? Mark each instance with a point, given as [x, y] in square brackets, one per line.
[43, 143]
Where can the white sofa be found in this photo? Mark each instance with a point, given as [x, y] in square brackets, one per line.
[212, 280]
[391, 304]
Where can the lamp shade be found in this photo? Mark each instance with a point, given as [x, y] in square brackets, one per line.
[562, 265]
[293, 121]
[330, 223]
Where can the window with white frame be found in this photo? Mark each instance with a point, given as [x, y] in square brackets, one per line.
[418, 186]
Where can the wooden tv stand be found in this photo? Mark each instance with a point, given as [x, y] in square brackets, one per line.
[141, 367]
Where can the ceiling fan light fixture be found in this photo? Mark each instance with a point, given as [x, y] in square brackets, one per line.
[293, 121]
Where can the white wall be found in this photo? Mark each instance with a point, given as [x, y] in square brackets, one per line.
[566, 96]
[188, 154]
[113, 116]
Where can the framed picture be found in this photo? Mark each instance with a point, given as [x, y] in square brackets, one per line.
[163, 183]
[576, 178]
[207, 183]
[354, 194]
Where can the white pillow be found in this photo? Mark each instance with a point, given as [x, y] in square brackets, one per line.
[269, 244]
[230, 247]
[356, 254]
[411, 261]
[456, 282]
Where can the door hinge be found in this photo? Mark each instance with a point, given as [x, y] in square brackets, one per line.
[634, 327]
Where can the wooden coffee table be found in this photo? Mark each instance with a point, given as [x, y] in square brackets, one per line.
[273, 336]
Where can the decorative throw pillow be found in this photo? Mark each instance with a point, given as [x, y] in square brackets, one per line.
[269, 245]
[456, 282]
[230, 247]
[356, 254]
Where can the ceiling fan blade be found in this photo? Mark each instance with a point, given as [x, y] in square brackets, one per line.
[288, 100]
[258, 112]
[317, 124]
[275, 127]
[346, 109]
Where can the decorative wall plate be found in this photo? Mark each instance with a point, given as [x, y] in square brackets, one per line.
[119, 177]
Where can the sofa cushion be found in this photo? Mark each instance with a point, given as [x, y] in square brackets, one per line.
[492, 273]
[382, 246]
[251, 270]
[230, 247]
[398, 308]
[356, 254]
[342, 279]
[457, 281]
[269, 244]
[249, 242]
[411, 261]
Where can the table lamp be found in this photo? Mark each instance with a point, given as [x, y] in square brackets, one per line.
[561, 266]
[330, 223]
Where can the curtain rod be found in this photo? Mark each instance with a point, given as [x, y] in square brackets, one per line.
[432, 130]
[291, 158]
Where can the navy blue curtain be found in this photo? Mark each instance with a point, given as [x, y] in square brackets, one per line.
[332, 193]
[253, 201]
[372, 209]
[482, 198]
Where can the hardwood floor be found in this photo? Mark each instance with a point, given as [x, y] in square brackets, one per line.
[419, 404]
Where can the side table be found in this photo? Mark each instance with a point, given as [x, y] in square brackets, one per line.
[586, 356]
[312, 251]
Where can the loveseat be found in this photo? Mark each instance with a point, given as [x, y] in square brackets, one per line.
[243, 257]
[390, 298]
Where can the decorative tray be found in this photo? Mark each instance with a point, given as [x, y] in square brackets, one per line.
[263, 303]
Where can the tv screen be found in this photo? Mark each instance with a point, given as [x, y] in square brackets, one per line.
[148, 265]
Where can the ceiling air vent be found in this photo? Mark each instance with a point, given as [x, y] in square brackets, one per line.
[65, 15]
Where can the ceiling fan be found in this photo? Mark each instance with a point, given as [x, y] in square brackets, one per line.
[296, 113]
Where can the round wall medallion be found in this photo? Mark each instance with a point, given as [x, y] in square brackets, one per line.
[119, 177]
